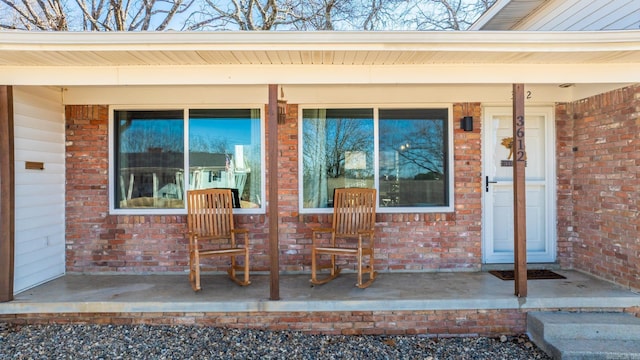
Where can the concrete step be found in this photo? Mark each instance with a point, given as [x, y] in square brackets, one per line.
[564, 325]
[566, 349]
[565, 335]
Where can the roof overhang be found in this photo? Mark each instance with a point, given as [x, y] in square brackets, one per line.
[189, 58]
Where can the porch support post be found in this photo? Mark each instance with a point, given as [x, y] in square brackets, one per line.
[519, 193]
[7, 194]
[272, 167]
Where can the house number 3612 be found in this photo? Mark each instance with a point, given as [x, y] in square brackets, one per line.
[519, 143]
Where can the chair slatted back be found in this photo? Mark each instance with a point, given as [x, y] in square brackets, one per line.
[354, 209]
[210, 212]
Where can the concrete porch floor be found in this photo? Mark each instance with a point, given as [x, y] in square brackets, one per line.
[390, 292]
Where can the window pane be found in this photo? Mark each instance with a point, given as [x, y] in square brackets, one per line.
[149, 159]
[337, 152]
[224, 152]
[413, 145]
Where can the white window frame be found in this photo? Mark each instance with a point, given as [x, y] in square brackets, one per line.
[376, 156]
[185, 108]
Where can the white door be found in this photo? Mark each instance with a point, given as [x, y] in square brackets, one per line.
[498, 187]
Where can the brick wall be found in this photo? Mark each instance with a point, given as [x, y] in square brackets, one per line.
[99, 242]
[433, 322]
[598, 185]
[423, 322]
[564, 185]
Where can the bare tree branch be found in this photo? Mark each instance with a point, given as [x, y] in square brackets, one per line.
[37, 14]
[448, 14]
[190, 15]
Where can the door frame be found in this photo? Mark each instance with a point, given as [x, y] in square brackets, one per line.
[551, 253]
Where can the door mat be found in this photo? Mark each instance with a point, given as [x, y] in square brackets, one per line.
[531, 274]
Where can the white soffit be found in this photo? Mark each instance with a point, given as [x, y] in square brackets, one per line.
[57, 58]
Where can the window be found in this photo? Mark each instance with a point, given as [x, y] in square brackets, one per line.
[404, 153]
[225, 152]
[153, 171]
[412, 158]
[337, 152]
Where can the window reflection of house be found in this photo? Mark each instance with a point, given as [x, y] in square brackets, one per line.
[208, 170]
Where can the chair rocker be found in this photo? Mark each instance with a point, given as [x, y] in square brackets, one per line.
[354, 217]
[212, 233]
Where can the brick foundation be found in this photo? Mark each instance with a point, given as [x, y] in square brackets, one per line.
[428, 322]
[441, 323]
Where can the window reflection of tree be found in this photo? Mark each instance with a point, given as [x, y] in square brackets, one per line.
[412, 157]
[141, 135]
[425, 153]
[314, 164]
[199, 143]
[345, 135]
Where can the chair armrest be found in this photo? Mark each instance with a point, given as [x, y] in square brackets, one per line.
[368, 233]
[322, 230]
[193, 240]
[319, 231]
[240, 232]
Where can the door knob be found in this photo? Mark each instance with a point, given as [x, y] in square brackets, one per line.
[487, 182]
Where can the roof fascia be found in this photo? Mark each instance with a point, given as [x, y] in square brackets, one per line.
[292, 41]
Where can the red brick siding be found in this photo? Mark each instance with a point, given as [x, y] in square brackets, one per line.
[99, 242]
[599, 187]
[441, 323]
[424, 322]
[564, 172]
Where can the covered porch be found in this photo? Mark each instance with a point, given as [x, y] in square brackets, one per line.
[446, 295]
[434, 304]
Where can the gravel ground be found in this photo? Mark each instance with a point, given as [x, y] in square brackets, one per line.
[186, 342]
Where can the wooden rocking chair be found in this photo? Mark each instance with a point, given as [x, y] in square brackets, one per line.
[210, 223]
[354, 217]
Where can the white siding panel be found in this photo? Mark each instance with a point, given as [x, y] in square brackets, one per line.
[34, 235]
[551, 19]
[579, 16]
[627, 17]
[37, 208]
[38, 177]
[40, 194]
[31, 108]
[38, 133]
[51, 263]
[27, 190]
[587, 15]
[34, 245]
[31, 146]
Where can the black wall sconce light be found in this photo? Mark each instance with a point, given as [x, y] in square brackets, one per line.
[282, 108]
[282, 111]
[466, 123]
